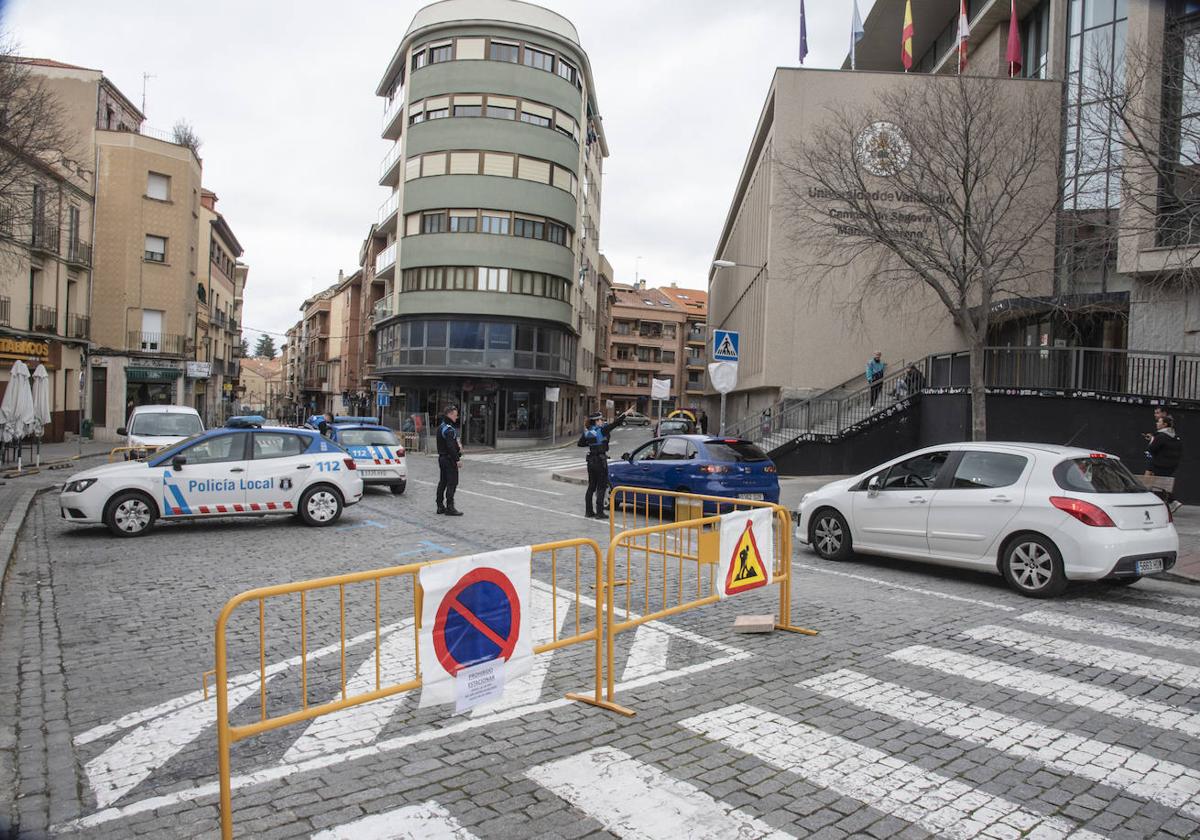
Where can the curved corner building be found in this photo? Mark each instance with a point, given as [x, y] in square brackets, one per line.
[492, 223]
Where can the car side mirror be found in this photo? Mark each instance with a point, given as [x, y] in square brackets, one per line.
[123, 432]
[873, 486]
[178, 461]
[625, 456]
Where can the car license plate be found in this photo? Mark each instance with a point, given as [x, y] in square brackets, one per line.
[373, 473]
[751, 497]
[1149, 567]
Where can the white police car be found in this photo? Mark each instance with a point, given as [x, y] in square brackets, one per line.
[379, 454]
[241, 469]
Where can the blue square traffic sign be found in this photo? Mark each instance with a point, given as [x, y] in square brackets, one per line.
[725, 345]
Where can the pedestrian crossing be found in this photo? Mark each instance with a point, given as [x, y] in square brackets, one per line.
[541, 460]
[870, 749]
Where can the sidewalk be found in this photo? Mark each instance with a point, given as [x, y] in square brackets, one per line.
[793, 488]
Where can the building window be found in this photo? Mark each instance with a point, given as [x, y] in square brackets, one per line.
[493, 223]
[1035, 42]
[535, 119]
[468, 110]
[501, 109]
[417, 117]
[540, 60]
[437, 113]
[156, 248]
[462, 222]
[568, 72]
[433, 223]
[556, 233]
[158, 186]
[529, 228]
[420, 59]
[440, 53]
[500, 51]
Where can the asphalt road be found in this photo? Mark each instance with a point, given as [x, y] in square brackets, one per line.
[932, 702]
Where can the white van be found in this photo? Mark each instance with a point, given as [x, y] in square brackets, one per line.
[151, 427]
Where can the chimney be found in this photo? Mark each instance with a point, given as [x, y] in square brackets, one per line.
[642, 284]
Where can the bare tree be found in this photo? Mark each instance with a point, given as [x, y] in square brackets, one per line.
[945, 188]
[1144, 122]
[36, 142]
[185, 135]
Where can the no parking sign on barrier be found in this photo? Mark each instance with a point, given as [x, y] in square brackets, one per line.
[475, 627]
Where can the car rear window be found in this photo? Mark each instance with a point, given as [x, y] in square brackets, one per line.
[367, 437]
[1096, 475]
[731, 452]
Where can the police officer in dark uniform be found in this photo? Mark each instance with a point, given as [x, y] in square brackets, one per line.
[596, 437]
[325, 424]
[449, 450]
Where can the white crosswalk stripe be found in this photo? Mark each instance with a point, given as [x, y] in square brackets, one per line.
[1093, 656]
[1059, 689]
[1157, 616]
[637, 801]
[427, 821]
[933, 801]
[1140, 774]
[1114, 630]
[544, 460]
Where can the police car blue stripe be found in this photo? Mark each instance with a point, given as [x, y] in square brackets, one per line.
[180, 502]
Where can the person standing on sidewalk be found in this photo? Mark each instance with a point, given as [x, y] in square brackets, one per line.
[596, 437]
[449, 450]
[875, 368]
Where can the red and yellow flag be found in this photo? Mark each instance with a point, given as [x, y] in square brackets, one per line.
[906, 49]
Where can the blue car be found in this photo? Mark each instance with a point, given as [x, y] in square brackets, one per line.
[702, 464]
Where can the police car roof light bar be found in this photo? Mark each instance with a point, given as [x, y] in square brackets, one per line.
[249, 421]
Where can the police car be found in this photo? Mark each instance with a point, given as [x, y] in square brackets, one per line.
[379, 455]
[241, 469]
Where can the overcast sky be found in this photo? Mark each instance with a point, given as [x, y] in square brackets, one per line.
[282, 94]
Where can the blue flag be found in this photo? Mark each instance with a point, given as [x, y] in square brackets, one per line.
[803, 34]
[856, 34]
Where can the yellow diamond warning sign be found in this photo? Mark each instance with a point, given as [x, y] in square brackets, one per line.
[746, 562]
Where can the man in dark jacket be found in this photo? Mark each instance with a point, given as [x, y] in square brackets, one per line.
[449, 450]
[1165, 449]
[596, 437]
[325, 424]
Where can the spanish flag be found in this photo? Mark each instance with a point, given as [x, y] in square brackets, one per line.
[906, 55]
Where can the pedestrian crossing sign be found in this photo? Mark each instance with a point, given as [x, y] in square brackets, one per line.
[745, 565]
[725, 345]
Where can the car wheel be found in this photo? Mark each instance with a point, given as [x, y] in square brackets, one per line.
[130, 514]
[398, 489]
[1033, 566]
[829, 535]
[320, 506]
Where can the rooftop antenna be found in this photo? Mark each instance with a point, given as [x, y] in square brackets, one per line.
[637, 266]
[145, 78]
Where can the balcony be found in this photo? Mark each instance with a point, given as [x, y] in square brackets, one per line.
[6, 311]
[217, 367]
[387, 212]
[392, 125]
[45, 236]
[382, 310]
[166, 344]
[80, 326]
[79, 253]
[233, 324]
[220, 318]
[43, 318]
[235, 352]
[389, 169]
[385, 261]
[695, 361]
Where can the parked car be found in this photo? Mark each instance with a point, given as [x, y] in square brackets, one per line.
[701, 464]
[151, 427]
[1037, 514]
[674, 426]
[242, 469]
[380, 456]
[636, 418]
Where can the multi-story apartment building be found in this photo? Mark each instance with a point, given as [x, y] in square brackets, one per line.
[316, 377]
[645, 342]
[693, 355]
[219, 295]
[46, 227]
[489, 258]
[291, 405]
[604, 304]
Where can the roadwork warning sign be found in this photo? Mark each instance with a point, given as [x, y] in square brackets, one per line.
[747, 551]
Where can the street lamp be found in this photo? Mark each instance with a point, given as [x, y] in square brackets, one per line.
[717, 266]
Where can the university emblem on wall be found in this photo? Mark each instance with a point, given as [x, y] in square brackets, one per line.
[882, 150]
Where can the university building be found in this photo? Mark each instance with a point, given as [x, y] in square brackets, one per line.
[486, 281]
[1110, 302]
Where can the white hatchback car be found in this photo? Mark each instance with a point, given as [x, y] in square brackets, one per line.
[1037, 514]
[240, 470]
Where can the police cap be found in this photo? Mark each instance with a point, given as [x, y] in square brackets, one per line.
[599, 415]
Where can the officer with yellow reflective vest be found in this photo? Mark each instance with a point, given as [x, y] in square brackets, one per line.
[596, 437]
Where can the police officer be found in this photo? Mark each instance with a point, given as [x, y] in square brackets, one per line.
[596, 437]
[449, 453]
[325, 425]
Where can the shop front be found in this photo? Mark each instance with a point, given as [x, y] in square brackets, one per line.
[119, 384]
[63, 361]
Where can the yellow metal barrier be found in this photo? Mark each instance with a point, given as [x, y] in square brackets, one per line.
[146, 451]
[667, 526]
[564, 551]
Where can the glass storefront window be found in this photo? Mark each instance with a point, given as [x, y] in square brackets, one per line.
[477, 344]
[435, 333]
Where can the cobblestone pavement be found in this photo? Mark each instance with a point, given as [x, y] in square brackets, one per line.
[934, 702]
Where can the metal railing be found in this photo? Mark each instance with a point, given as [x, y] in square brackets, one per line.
[389, 160]
[389, 207]
[220, 318]
[80, 327]
[1079, 371]
[386, 258]
[150, 342]
[45, 236]
[79, 253]
[43, 318]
